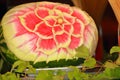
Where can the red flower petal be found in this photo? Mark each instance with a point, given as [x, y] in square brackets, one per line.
[65, 8]
[20, 30]
[69, 18]
[62, 38]
[77, 26]
[74, 42]
[47, 44]
[44, 30]
[30, 20]
[67, 27]
[41, 12]
[57, 29]
[51, 21]
[47, 5]
[79, 14]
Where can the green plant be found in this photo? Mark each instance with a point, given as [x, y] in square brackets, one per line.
[111, 71]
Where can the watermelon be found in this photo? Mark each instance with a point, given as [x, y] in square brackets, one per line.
[47, 31]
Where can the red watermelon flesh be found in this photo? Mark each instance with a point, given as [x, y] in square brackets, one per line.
[47, 31]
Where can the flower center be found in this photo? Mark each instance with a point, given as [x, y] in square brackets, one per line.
[60, 20]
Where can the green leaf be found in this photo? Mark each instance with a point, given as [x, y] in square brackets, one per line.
[56, 77]
[76, 74]
[44, 75]
[31, 69]
[12, 76]
[112, 73]
[18, 63]
[114, 49]
[100, 76]
[110, 64]
[118, 60]
[89, 62]
[9, 76]
[108, 74]
[21, 68]
[59, 74]
[115, 73]
[82, 52]
[3, 77]
[70, 75]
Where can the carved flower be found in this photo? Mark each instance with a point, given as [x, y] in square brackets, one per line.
[47, 31]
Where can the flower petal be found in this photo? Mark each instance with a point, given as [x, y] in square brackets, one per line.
[63, 8]
[78, 27]
[44, 30]
[82, 16]
[75, 42]
[69, 18]
[68, 28]
[19, 28]
[48, 5]
[57, 29]
[63, 38]
[29, 20]
[50, 21]
[41, 12]
[47, 44]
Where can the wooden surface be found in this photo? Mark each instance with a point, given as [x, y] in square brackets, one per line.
[115, 4]
[95, 8]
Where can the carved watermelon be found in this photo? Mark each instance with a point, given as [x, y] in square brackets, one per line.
[47, 31]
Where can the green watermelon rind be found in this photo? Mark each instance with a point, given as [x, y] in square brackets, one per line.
[6, 54]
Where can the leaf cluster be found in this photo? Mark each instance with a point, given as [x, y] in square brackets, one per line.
[23, 69]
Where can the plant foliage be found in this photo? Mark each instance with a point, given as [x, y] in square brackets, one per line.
[23, 68]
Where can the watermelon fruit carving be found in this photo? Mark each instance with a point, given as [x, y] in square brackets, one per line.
[47, 31]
